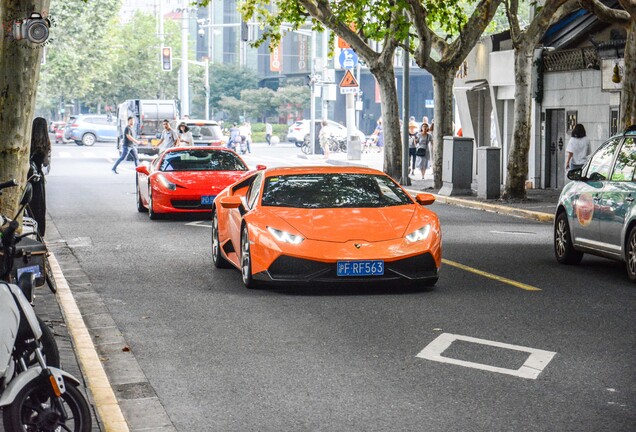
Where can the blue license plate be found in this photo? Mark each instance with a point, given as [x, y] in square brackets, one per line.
[35, 269]
[207, 199]
[360, 268]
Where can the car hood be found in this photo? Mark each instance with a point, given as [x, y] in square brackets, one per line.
[214, 181]
[347, 224]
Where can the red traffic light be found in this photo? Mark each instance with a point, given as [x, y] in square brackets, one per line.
[166, 58]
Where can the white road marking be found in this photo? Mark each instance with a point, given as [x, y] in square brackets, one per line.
[201, 224]
[513, 232]
[533, 366]
[64, 154]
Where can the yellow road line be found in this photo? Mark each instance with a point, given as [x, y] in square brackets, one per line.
[491, 276]
[103, 395]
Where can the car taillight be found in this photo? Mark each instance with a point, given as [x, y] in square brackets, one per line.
[74, 125]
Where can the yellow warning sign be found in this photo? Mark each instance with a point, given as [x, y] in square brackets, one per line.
[348, 80]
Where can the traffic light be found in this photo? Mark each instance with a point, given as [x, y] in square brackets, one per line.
[166, 59]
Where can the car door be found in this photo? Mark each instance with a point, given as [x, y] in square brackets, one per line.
[585, 223]
[235, 216]
[617, 199]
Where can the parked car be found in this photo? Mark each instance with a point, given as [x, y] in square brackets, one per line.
[90, 128]
[299, 131]
[335, 224]
[204, 132]
[596, 213]
[186, 179]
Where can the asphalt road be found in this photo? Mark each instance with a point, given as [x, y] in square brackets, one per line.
[224, 358]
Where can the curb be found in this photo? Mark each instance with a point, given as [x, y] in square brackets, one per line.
[104, 398]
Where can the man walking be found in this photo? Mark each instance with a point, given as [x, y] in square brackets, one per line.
[169, 137]
[129, 146]
[268, 133]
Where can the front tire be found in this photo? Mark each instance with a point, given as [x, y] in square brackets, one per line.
[34, 403]
[563, 248]
[630, 255]
[246, 260]
[89, 139]
[49, 346]
[217, 256]
[140, 205]
[151, 206]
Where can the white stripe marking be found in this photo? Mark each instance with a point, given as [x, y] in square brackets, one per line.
[533, 366]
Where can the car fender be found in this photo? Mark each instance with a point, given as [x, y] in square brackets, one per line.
[19, 382]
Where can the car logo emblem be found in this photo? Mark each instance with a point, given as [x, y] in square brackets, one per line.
[357, 245]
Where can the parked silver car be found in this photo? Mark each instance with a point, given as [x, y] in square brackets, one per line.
[299, 131]
[596, 213]
[89, 128]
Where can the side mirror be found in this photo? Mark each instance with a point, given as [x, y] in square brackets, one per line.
[424, 198]
[143, 169]
[575, 174]
[260, 167]
[231, 202]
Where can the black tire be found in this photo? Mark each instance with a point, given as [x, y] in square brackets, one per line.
[563, 248]
[151, 210]
[49, 347]
[79, 142]
[630, 255]
[246, 260]
[217, 256]
[88, 139]
[298, 143]
[35, 400]
[140, 206]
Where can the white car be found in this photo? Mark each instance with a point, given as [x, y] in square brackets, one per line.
[300, 130]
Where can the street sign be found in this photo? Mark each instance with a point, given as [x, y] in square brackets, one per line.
[348, 80]
[348, 58]
[349, 90]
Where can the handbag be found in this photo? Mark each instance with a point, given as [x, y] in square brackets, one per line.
[421, 151]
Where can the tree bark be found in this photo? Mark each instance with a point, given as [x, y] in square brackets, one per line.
[19, 73]
[443, 93]
[520, 147]
[628, 94]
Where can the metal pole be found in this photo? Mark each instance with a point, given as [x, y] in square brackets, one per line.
[405, 116]
[207, 89]
[312, 102]
[185, 97]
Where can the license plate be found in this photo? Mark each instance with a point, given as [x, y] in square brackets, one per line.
[35, 269]
[360, 268]
[207, 199]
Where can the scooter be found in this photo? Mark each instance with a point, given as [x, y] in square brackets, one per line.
[34, 396]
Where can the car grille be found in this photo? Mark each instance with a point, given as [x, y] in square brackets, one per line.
[291, 268]
[190, 205]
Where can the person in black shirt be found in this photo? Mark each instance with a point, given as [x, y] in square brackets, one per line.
[40, 157]
[129, 147]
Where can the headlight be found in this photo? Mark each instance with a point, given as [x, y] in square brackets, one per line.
[420, 234]
[165, 183]
[285, 237]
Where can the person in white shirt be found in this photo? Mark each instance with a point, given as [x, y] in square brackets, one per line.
[185, 136]
[578, 149]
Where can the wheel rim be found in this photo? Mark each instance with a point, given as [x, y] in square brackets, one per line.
[560, 240]
[215, 237]
[89, 140]
[631, 255]
[245, 257]
[150, 209]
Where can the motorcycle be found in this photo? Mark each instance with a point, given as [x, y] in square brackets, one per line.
[34, 395]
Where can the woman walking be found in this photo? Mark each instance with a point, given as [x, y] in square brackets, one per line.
[40, 157]
[578, 149]
[423, 149]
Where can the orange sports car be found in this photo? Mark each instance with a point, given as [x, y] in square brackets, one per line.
[325, 224]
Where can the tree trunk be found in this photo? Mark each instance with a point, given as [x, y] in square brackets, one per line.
[520, 147]
[628, 95]
[19, 72]
[443, 93]
[385, 75]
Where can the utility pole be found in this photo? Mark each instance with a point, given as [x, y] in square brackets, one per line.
[185, 97]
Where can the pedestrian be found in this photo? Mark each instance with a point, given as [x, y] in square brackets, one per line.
[323, 138]
[185, 136]
[268, 133]
[169, 138]
[129, 146]
[379, 135]
[40, 157]
[413, 129]
[423, 150]
[246, 134]
[578, 148]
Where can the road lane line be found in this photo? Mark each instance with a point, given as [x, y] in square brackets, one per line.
[491, 276]
[104, 398]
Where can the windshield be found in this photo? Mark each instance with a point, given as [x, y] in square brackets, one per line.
[201, 160]
[206, 132]
[333, 191]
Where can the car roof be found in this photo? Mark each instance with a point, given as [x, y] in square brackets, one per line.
[197, 122]
[335, 169]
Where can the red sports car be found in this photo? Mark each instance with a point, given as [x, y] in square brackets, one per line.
[186, 179]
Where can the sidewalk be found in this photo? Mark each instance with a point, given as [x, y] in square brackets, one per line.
[539, 205]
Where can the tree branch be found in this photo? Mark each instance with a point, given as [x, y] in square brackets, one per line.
[608, 14]
[472, 31]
